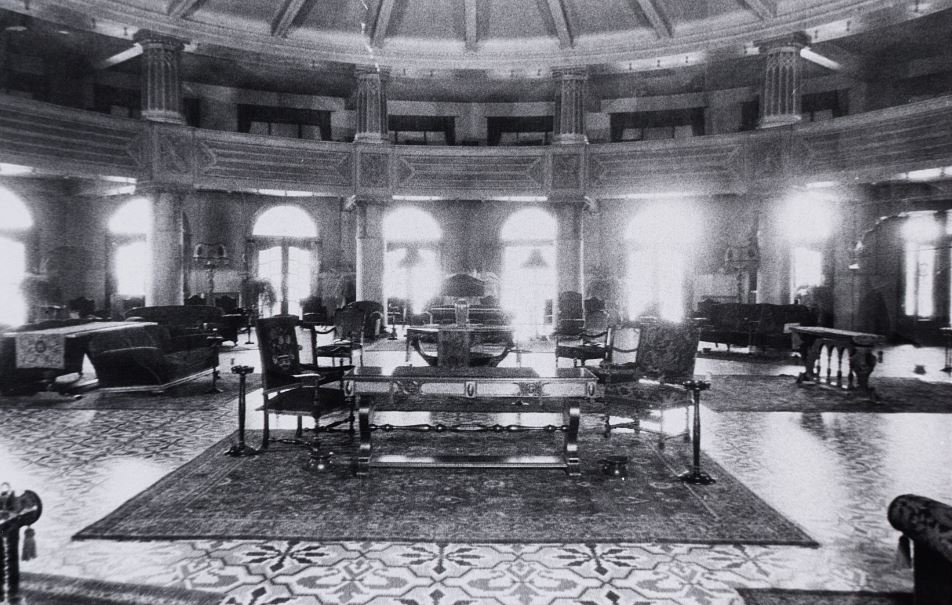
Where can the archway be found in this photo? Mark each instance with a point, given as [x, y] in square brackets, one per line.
[285, 238]
[528, 281]
[14, 236]
[412, 273]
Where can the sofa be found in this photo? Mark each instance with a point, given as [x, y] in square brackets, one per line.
[152, 357]
[927, 524]
[189, 318]
[14, 381]
[759, 325]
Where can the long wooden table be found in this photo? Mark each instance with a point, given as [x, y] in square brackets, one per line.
[414, 394]
[855, 347]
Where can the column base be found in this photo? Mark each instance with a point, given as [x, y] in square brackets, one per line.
[369, 137]
[774, 121]
[570, 139]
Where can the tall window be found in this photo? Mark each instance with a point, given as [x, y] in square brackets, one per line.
[808, 223]
[412, 265]
[659, 239]
[14, 234]
[285, 238]
[528, 282]
[131, 260]
[920, 235]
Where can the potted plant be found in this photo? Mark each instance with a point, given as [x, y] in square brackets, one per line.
[262, 294]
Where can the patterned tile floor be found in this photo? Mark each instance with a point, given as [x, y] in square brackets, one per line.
[834, 474]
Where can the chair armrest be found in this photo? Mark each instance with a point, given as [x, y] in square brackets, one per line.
[924, 521]
[312, 327]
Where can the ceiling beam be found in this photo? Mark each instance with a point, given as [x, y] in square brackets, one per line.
[288, 12]
[654, 12]
[557, 10]
[120, 57]
[764, 9]
[380, 22]
[469, 6]
[181, 8]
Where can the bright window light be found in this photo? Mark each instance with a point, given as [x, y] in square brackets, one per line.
[919, 279]
[285, 221]
[411, 225]
[807, 268]
[921, 227]
[529, 277]
[131, 259]
[660, 237]
[12, 269]
[132, 218]
[16, 216]
[808, 218]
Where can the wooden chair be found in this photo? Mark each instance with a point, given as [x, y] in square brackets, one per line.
[292, 387]
[661, 378]
[348, 331]
[593, 342]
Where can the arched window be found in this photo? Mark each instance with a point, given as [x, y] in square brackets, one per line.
[14, 234]
[412, 273]
[659, 240]
[528, 282]
[286, 240]
[131, 260]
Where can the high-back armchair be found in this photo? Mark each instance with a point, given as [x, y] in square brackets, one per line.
[655, 381]
[292, 387]
[593, 342]
[348, 333]
[570, 313]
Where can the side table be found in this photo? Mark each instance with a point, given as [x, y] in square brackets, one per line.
[241, 448]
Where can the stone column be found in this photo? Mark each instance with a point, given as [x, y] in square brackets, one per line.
[167, 246]
[569, 123]
[569, 250]
[371, 106]
[780, 101]
[161, 83]
[370, 251]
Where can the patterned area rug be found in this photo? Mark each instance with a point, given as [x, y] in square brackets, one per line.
[274, 496]
[190, 396]
[782, 394]
[772, 596]
[42, 589]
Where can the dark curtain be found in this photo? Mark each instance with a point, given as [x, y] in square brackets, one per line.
[670, 118]
[444, 124]
[496, 126]
[285, 115]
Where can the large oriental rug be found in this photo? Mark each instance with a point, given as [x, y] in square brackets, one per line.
[187, 397]
[773, 596]
[782, 394]
[273, 496]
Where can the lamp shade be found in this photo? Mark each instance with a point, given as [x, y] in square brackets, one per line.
[535, 260]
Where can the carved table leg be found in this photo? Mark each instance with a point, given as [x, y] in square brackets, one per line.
[810, 349]
[573, 414]
[862, 363]
[363, 425]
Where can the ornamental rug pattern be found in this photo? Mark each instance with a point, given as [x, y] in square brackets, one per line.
[833, 474]
[274, 496]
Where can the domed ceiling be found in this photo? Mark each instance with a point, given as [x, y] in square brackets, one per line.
[488, 49]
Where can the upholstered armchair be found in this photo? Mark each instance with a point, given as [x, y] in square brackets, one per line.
[927, 524]
[292, 387]
[645, 389]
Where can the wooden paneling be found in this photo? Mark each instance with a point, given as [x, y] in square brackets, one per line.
[467, 172]
[67, 140]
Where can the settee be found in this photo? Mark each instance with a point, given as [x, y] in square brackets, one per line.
[927, 524]
[152, 357]
[751, 324]
[189, 318]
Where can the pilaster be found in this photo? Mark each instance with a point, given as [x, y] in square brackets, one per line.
[370, 250]
[569, 246]
[161, 80]
[371, 106]
[780, 101]
[167, 246]
[569, 120]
